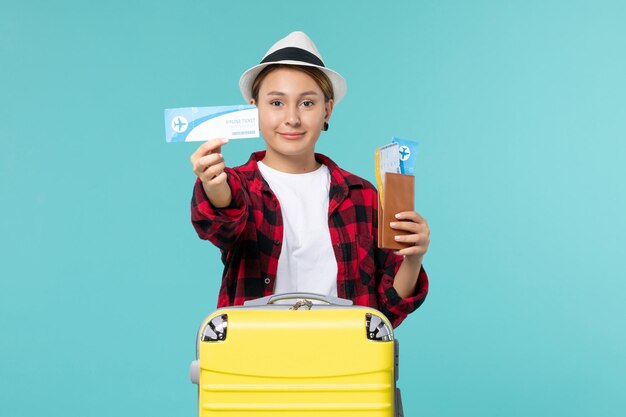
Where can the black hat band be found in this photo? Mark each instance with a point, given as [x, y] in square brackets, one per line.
[293, 54]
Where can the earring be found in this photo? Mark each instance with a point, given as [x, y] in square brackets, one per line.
[325, 126]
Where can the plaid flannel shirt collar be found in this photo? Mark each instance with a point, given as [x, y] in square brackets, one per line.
[340, 181]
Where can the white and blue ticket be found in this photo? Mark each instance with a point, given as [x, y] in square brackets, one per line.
[397, 157]
[407, 150]
[194, 124]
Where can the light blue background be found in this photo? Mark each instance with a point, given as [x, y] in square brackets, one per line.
[520, 110]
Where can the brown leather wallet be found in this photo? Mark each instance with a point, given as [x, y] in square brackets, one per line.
[398, 195]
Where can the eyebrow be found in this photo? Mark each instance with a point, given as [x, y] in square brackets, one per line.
[306, 93]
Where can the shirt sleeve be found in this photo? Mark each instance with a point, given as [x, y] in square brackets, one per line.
[220, 226]
[392, 304]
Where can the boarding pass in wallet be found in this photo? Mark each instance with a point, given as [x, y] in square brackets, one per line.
[394, 166]
[193, 124]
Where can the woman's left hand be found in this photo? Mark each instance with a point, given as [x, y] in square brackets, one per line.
[419, 236]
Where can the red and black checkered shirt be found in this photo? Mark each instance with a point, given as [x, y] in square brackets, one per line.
[249, 234]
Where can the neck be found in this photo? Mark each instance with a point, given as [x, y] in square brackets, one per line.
[300, 164]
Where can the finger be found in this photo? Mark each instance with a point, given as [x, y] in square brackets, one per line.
[219, 179]
[413, 250]
[202, 164]
[211, 146]
[408, 226]
[419, 240]
[408, 239]
[213, 171]
[418, 244]
[415, 243]
[410, 215]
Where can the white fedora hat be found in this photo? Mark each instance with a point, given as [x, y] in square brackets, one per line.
[294, 49]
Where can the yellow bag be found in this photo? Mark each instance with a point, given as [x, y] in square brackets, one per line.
[268, 359]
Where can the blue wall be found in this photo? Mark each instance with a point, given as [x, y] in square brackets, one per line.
[521, 113]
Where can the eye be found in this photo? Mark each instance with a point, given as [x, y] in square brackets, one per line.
[308, 103]
[275, 103]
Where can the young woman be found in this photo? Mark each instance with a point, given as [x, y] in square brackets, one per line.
[291, 220]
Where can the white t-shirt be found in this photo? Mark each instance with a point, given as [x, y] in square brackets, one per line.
[307, 261]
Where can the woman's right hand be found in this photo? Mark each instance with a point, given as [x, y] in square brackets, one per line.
[208, 164]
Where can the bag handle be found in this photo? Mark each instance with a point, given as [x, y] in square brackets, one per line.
[271, 299]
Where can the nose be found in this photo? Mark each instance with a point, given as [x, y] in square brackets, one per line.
[292, 116]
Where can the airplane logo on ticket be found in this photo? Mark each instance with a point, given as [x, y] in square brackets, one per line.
[179, 124]
[194, 124]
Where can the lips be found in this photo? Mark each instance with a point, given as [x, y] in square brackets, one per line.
[291, 135]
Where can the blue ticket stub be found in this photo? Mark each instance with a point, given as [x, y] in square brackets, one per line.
[193, 124]
[408, 151]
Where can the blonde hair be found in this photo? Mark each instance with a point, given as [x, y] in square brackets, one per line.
[317, 74]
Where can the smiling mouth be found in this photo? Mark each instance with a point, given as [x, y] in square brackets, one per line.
[291, 135]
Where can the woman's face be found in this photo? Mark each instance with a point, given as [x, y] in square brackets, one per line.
[292, 112]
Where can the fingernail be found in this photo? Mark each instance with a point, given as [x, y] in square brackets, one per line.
[398, 216]
[393, 224]
[396, 237]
